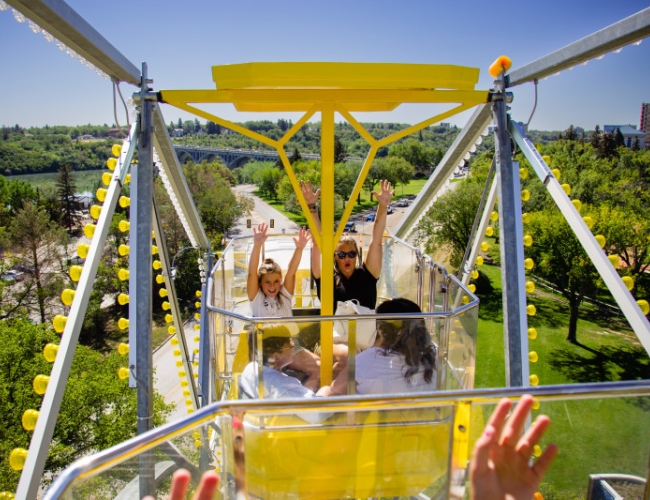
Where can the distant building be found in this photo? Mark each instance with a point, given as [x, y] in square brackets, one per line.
[630, 133]
[645, 123]
[177, 132]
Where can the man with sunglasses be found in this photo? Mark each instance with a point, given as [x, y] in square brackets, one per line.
[350, 281]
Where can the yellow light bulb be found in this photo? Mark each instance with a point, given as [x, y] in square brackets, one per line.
[154, 249]
[588, 221]
[479, 261]
[536, 404]
[95, 211]
[195, 350]
[537, 451]
[494, 216]
[82, 250]
[59, 322]
[124, 201]
[89, 231]
[122, 323]
[101, 194]
[628, 281]
[547, 160]
[116, 149]
[615, 261]
[529, 264]
[171, 330]
[157, 265]
[184, 383]
[197, 327]
[179, 363]
[166, 306]
[533, 357]
[169, 318]
[530, 287]
[123, 299]
[523, 173]
[163, 292]
[17, 458]
[197, 316]
[577, 204]
[474, 274]
[123, 349]
[123, 373]
[181, 373]
[485, 246]
[489, 231]
[532, 333]
[49, 352]
[465, 299]
[127, 179]
[106, 178]
[111, 163]
[534, 380]
[123, 226]
[567, 189]
[525, 195]
[198, 293]
[29, 419]
[67, 296]
[528, 240]
[197, 305]
[123, 274]
[123, 250]
[160, 279]
[601, 240]
[176, 352]
[525, 218]
[644, 306]
[531, 310]
[40, 384]
[557, 173]
[174, 341]
[471, 288]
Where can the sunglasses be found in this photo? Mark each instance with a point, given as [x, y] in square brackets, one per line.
[342, 255]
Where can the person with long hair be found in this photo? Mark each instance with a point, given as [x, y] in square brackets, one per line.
[353, 279]
[403, 358]
[269, 295]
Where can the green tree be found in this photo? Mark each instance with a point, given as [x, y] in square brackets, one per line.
[67, 191]
[98, 409]
[561, 260]
[401, 170]
[448, 223]
[595, 138]
[339, 150]
[413, 152]
[40, 241]
[295, 156]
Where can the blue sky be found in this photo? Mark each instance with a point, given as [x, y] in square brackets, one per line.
[181, 40]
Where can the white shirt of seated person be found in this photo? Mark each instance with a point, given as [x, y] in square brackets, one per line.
[378, 372]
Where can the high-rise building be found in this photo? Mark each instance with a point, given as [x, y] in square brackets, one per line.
[645, 123]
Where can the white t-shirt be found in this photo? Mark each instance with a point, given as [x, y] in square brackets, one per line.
[278, 385]
[380, 373]
[263, 306]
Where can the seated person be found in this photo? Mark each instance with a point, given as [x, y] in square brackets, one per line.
[403, 358]
[277, 352]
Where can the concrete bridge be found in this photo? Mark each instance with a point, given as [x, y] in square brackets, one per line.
[233, 158]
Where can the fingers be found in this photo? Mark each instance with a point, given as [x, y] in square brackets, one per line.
[499, 415]
[180, 482]
[482, 449]
[515, 425]
[533, 436]
[208, 486]
[543, 463]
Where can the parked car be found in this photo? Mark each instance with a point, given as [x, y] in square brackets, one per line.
[9, 276]
[350, 227]
[389, 209]
[370, 217]
[403, 202]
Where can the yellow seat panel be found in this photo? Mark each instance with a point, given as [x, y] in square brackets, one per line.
[338, 75]
[359, 461]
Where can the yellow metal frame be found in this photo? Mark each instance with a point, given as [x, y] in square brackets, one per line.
[331, 88]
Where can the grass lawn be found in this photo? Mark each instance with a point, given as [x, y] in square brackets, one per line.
[594, 436]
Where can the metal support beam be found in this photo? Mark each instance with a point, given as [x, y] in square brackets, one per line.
[140, 262]
[172, 297]
[206, 345]
[512, 253]
[638, 321]
[61, 21]
[173, 173]
[615, 36]
[461, 145]
[40, 444]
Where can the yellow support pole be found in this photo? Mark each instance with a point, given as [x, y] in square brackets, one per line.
[327, 239]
